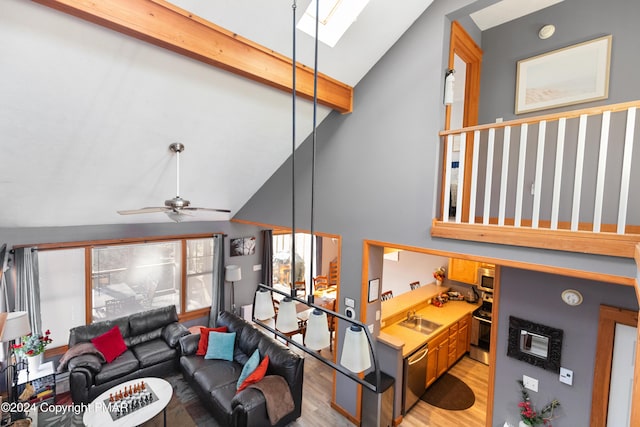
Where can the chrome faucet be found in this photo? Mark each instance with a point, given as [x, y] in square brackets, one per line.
[411, 315]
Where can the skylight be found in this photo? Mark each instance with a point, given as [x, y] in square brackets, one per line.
[336, 16]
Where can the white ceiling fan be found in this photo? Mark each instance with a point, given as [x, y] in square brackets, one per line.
[177, 207]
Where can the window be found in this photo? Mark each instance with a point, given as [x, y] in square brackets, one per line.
[335, 19]
[199, 273]
[282, 258]
[62, 292]
[126, 279]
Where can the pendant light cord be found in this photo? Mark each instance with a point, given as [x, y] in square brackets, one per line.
[293, 157]
[313, 152]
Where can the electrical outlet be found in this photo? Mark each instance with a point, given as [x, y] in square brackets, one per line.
[370, 328]
[530, 383]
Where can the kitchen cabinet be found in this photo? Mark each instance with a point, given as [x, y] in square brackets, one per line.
[463, 336]
[462, 270]
[437, 357]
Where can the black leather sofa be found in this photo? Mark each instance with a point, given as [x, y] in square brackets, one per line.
[215, 380]
[152, 339]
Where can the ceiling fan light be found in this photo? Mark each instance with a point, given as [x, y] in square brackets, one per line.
[175, 216]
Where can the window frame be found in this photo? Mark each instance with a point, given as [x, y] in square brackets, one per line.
[88, 245]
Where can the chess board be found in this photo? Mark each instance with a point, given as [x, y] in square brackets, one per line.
[129, 399]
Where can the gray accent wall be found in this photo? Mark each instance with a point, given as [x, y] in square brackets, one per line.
[576, 21]
[377, 173]
[535, 297]
[244, 289]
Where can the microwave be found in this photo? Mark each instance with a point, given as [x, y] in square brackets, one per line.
[486, 276]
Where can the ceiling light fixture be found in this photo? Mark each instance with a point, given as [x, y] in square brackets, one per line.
[546, 31]
[358, 352]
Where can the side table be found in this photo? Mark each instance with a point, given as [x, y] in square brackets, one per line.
[43, 381]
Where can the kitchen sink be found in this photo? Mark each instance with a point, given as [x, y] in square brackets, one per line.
[421, 325]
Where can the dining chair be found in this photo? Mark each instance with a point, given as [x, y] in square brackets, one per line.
[414, 285]
[387, 295]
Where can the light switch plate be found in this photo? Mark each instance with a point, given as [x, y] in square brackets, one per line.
[257, 267]
[566, 376]
[530, 383]
[350, 302]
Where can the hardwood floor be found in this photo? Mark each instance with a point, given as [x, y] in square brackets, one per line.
[317, 411]
[476, 376]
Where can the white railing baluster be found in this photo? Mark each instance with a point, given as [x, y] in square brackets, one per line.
[626, 170]
[504, 177]
[602, 168]
[474, 177]
[557, 177]
[577, 182]
[447, 179]
[463, 147]
[537, 186]
[488, 177]
[524, 130]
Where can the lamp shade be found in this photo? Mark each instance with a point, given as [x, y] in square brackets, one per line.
[16, 326]
[232, 273]
[317, 336]
[287, 321]
[355, 350]
[263, 308]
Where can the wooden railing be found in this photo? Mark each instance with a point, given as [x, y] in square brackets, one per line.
[571, 172]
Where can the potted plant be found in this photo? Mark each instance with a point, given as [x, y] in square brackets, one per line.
[528, 414]
[32, 348]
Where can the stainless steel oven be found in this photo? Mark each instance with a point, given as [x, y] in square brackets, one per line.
[481, 330]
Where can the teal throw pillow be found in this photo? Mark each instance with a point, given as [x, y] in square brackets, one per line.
[220, 345]
[249, 367]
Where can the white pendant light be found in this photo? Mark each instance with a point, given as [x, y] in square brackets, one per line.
[355, 350]
[317, 335]
[287, 320]
[264, 305]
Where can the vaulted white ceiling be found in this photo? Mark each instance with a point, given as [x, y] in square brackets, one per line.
[87, 114]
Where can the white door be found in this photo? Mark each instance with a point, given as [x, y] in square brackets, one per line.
[620, 391]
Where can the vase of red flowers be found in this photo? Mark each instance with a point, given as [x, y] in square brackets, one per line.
[529, 416]
[32, 348]
[439, 274]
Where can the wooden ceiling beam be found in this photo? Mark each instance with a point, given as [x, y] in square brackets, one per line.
[163, 24]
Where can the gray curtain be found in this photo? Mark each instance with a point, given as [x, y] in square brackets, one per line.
[267, 258]
[217, 281]
[28, 286]
[4, 266]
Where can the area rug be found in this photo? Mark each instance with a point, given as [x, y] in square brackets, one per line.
[449, 392]
[184, 410]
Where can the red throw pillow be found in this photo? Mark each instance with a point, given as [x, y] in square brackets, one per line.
[204, 339]
[110, 344]
[256, 375]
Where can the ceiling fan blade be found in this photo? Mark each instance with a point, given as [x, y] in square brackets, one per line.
[143, 210]
[207, 209]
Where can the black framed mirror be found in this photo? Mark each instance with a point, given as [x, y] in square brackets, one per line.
[534, 343]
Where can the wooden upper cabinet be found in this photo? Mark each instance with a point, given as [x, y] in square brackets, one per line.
[462, 270]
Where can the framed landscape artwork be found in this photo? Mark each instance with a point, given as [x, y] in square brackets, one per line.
[571, 75]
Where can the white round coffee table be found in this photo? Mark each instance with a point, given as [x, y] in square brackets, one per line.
[97, 412]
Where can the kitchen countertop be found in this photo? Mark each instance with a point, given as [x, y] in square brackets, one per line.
[451, 312]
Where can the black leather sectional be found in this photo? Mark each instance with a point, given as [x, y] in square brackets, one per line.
[152, 339]
[215, 380]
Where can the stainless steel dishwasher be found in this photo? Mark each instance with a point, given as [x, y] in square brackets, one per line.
[414, 378]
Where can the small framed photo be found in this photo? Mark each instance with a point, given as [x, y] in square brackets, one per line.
[239, 246]
[374, 289]
[567, 76]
